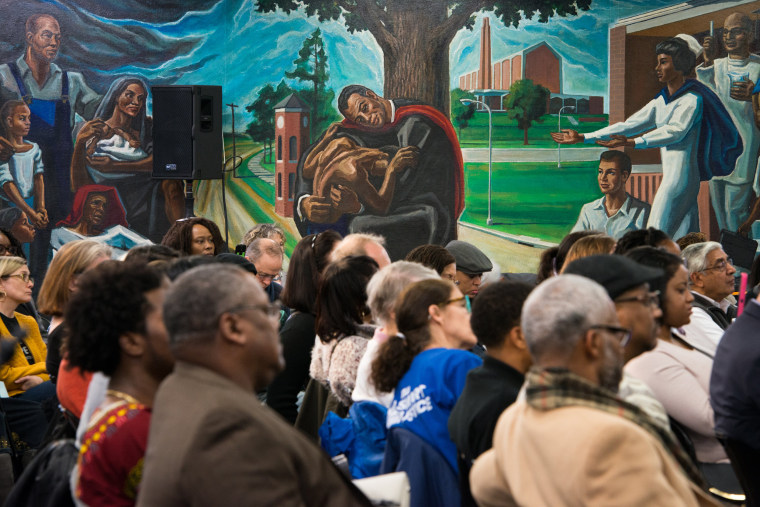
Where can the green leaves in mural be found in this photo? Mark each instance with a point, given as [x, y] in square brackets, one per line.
[261, 129]
[461, 114]
[526, 103]
[311, 67]
[414, 35]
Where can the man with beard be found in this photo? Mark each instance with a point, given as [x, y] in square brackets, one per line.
[428, 195]
[580, 441]
[638, 309]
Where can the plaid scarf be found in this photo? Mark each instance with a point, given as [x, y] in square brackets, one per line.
[551, 388]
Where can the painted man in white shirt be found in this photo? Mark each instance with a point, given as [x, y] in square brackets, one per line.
[732, 79]
[674, 122]
[617, 212]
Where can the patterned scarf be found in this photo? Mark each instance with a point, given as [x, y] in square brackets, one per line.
[551, 388]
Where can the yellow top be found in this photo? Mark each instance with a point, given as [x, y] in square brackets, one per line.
[18, 366]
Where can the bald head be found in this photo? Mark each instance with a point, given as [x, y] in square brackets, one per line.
[737, 34]
[370, 245]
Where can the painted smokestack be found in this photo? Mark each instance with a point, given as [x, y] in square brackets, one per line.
[484, 76]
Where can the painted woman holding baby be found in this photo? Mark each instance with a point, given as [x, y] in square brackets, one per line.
[115, 148]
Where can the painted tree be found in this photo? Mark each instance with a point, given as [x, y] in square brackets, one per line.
[461, 114]
[261, 129]
[311, 66]
[414, 35]
[526, 103]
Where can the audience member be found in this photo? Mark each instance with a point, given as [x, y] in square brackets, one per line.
[596, 244]
[25, 374]
[677, 373]
[211, 442]
[424, 364]
[266, 255]
[182, 264]
[691, 239]
[194, 236]
[236, 260]
[117, 328]
[370, 245]
[638, 310]
[553, 258]
[646, 237]
[493, 386]
[572, 441]
[471, 264]
[342, 325]
[146, 254]
[310, 258]
[269, 231]
[435, 257]
[383, 291]
[711, 279]
[734, 390]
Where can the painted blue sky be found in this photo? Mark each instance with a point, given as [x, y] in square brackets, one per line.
[227, 42]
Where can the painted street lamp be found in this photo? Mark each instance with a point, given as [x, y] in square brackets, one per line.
[467, 102]
[559, 129]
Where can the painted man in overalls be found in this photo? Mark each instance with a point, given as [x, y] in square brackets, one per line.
[54, 97]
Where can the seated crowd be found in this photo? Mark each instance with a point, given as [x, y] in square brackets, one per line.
[621, 372]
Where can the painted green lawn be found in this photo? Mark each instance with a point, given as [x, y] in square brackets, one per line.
[507, 135]
[530, 198]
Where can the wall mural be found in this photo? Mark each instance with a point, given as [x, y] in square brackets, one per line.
[422, 121]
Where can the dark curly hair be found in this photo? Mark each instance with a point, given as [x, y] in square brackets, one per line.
[342, 298]
[180, 235]
[109, 302]
[641, 237]
[433, 256]
[396, 355]
[310, 257]
[684, 59]
[496, 310]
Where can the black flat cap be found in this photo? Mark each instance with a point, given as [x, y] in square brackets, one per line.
[615, 273]
[470, 260]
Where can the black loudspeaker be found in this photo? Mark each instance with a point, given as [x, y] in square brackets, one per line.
[187, 132]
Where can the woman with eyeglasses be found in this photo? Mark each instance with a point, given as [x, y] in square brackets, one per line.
[426, 363]
[24, 374]
[678, 374]
[435, 257]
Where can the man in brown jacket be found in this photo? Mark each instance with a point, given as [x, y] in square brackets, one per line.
[572, 441]
[211, 441]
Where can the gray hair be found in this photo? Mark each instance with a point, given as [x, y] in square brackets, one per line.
[198, 297]
[387, 284]
[262, 231]
[261, 246]
[696, 255]
[558, 313]
[353, 244]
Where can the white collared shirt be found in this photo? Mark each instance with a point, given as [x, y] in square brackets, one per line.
[632, 215]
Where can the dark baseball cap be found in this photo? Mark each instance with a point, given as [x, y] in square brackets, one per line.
[615, 273]
[470, 260]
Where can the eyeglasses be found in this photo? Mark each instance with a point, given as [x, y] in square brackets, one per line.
[10, 249]
[272, 310]
[623, 334]
[264, 277]
[721, 265]
[451, 278]
[24, 277]
[651, 299]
